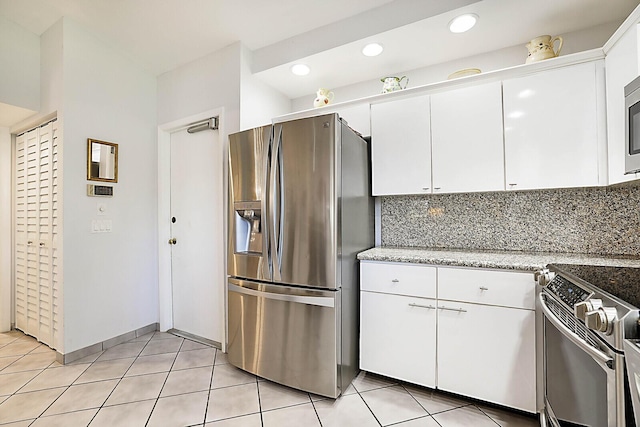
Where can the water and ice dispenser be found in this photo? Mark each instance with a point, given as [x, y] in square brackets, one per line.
[248, 227]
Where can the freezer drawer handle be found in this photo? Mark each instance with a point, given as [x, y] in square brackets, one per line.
[319, 301]
[430, 307]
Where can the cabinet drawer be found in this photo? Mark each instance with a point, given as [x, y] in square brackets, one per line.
[493, 287]
[400, 279]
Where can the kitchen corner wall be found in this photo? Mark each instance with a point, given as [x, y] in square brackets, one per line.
[6, 244]
[602, 220]
[110, 279]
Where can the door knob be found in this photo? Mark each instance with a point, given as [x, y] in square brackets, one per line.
[173, 241]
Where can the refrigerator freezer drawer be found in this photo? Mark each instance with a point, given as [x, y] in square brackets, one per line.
[287, 335]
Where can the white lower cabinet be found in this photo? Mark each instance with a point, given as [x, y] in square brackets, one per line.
[488, 353]
[398, 337]
[476, 339]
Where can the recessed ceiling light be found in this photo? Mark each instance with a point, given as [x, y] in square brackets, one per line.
[372, 49]
[300, 69]
[463, 23]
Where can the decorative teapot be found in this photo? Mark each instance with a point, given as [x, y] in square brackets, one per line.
[542, 48]
[391, 84]
[323, 97]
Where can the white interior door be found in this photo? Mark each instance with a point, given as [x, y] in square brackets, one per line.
[197, 256]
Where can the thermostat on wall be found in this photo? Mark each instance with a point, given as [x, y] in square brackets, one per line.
[99, 190]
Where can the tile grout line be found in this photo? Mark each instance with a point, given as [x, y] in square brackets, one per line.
[165, 379]
[213, 368]
[42, 371]
[313, 405]
[421, 405]
[119, 380]
[490, 417]
[259, 401]
[366, 404]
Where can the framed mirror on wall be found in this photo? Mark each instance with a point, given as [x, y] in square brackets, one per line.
[102, 161]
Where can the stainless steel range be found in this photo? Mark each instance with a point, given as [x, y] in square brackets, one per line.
[588, 313]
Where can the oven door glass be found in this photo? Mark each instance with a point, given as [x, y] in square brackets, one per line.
[576, 385]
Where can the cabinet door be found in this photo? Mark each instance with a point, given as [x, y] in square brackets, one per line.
[400, 147]
[467, 139]
[621, 64]
[488, 353]
[551, 126]
[398, 337]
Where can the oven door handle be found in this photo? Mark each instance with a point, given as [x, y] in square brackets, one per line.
[596, 354]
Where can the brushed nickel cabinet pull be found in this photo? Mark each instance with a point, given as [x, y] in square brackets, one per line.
[430, 307]
[459, 310]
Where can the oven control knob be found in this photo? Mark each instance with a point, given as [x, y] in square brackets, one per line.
[582, 308]
[544, 276]
[601, 319]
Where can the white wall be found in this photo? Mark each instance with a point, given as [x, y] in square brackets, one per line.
[51, 70]
[508, 57]
[210, 82]
[6, 242]
[259, 103]
[20, 65]
[110, 279]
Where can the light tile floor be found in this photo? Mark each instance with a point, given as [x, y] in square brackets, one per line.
[163, 380]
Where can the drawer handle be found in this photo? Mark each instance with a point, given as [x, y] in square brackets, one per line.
[459, 310]
[395, 281]
[430, 307]
[484, 288]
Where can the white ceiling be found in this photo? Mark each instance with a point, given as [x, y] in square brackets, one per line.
[328, 35]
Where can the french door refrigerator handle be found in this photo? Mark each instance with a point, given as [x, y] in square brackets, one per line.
[280, 205]
[275, 211]
[267, 266]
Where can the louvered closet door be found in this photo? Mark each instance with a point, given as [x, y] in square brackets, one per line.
[56, 244]
[37, 259]
[20, 251]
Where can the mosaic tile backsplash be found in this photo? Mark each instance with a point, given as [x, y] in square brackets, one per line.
[601, 220]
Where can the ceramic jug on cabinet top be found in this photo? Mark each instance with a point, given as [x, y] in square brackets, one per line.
[542, 48]
[323, 97]
[391, 84]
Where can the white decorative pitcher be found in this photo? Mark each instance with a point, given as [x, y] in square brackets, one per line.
[323, 97]
[542, 48]
[391, 84]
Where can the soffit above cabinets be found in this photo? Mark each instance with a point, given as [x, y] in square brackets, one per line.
[328, 35]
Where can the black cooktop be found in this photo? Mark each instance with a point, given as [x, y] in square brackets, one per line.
[621, 282]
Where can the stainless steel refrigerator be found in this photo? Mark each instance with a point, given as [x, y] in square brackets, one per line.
[299, 212]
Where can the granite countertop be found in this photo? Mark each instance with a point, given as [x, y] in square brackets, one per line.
[507, 260]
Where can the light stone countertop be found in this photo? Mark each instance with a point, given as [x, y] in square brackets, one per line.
[507, 260]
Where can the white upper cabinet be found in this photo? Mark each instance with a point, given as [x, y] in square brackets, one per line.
[467, 139]
[554, 126]
[622, 66]
[401, 146]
